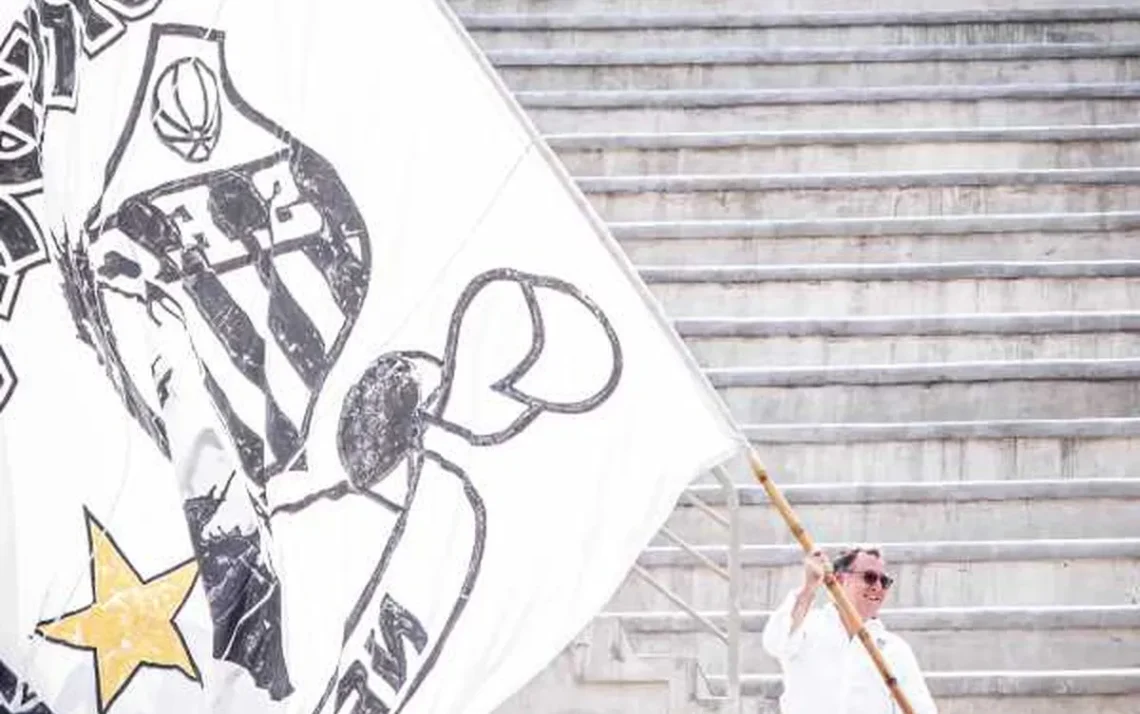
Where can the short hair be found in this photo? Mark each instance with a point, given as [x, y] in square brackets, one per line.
[847, 556]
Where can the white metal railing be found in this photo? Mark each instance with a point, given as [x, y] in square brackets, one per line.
[729, 635]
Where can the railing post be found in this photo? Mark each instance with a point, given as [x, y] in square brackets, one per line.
[732, 624]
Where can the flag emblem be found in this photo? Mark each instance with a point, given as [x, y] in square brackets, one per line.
[254, 245]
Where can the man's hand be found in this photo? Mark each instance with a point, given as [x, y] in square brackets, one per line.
[815, 567]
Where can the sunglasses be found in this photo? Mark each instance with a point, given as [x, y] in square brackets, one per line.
[870, 578]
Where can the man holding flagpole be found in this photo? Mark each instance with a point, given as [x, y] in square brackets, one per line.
[826, 669]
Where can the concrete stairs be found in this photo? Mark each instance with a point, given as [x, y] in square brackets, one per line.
[903, 237]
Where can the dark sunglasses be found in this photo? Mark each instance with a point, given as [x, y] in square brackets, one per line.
[870, 577]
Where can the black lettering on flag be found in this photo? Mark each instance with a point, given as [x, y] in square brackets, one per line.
[55, 26]
[355, 681]
[388, 659]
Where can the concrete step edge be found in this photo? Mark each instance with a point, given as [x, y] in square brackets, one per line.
[782, 555]
[730, 20]
[1091, 428]
[674, 56]
[921, 492]
[1111, 369]
[695, 183]
[1085, 617]
[841, 137]
[926, 226]
[985, 683]
[863, 272]
[718, 98]
[1045, 323]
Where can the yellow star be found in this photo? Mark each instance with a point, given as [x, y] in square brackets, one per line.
[130, 624]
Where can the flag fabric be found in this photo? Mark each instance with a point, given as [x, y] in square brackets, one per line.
[325, 392]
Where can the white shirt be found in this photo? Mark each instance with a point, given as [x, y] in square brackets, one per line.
[826, 671]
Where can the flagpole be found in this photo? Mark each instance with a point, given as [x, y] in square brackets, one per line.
[847, 611]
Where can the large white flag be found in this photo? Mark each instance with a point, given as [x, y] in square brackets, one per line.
[328, 394]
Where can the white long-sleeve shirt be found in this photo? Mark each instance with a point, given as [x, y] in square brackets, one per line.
[826, 671]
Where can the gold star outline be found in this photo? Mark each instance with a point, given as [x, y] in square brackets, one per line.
[130, 622]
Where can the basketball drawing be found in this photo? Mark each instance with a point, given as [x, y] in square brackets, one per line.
[185, 109]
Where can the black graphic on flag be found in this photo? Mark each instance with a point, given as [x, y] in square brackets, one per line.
[40, 57]
[217, 220]
[389, 646]
[19, 162]
[21, 248]
[67, 31]
[16, 697]
[243, 592]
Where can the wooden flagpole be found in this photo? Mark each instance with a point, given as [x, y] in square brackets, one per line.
[847, 611]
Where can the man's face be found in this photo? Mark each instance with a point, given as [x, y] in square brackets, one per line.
[867, 598]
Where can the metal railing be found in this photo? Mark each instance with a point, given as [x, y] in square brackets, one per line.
[729, 635]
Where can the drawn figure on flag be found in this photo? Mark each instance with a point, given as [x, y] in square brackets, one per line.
[217, 218]
[386, 418]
